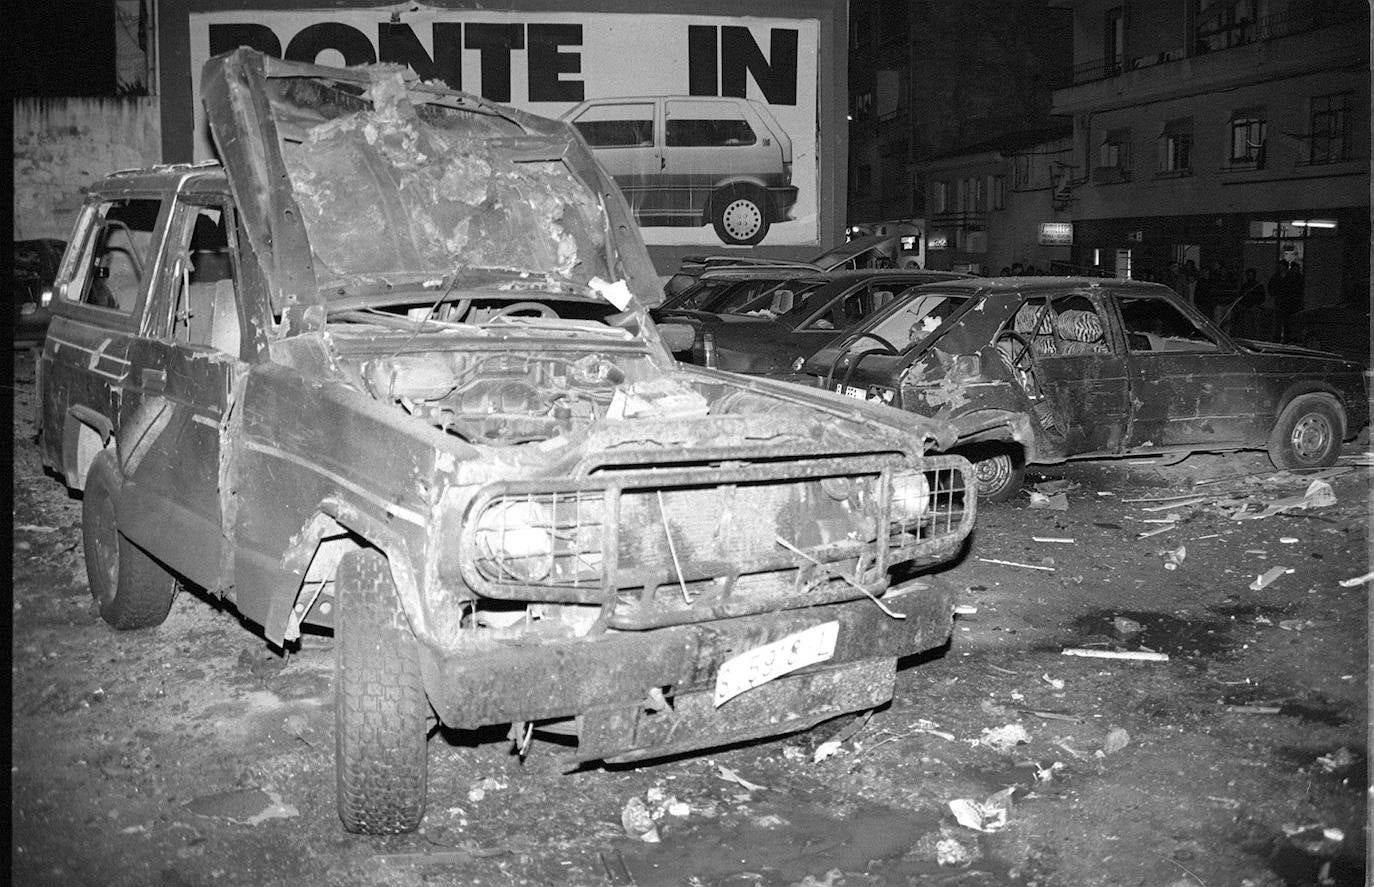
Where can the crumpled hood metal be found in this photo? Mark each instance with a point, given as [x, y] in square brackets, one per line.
[247, 124]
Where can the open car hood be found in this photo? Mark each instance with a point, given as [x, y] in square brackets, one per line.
[366, 176]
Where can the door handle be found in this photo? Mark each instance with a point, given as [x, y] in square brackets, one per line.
[153, 380]
[662, 162]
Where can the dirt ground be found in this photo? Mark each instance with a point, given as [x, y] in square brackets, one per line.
[193, 754]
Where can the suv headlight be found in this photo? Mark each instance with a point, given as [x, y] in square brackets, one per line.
[910, 496]
[516, 536]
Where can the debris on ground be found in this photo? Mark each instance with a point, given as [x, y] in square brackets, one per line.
[1265, 579]
[1062, 540]
[988, 816]
[1318, 495]
[1357, 580]
[1056, 683]
[1142, 655]
[1057, 502]
[1337, 760]
[1004, 738]
[950, 852]
[1174, 559]
[725, 773]
[479, 789]
[993, 560]
[1126, 629]
[637, 821]
[1117, 739]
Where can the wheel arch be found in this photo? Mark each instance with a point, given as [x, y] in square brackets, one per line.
[335, 528]
[721, 189]
[85, 433]
[1317, 387]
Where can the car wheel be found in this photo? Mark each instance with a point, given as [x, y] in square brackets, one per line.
[380, 709]
[999, 475]
[131, 588]
[740, 215]
[1308, 434]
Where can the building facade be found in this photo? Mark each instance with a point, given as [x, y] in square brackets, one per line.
[1232, 133]
[1001, 204]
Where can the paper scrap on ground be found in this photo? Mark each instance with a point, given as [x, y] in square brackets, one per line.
[731, 776]
[1004, 738]
[988, 816]
[1265, 579]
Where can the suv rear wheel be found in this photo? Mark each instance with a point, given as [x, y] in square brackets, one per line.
[740, 214]
[380, 709]
[131, 588]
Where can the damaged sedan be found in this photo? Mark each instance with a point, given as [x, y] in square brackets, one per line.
[389, 372]
[1041, 370]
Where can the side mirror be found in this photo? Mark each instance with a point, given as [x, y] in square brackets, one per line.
[677, 336]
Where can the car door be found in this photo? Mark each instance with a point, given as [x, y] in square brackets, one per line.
[1189, 385]
[189, 364]
[707, 142]
[88, 384]
[1081, 372]
[623, 134]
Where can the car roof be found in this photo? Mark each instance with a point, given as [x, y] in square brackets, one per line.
[993, 286]
[161, 176]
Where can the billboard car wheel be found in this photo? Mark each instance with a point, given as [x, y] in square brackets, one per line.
[380, 708]
[131, 588]
[740, 215]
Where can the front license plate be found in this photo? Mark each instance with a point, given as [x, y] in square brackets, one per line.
[758, 666]
[851, 391]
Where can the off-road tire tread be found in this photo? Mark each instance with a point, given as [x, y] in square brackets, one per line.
[380, 708]
[143, 595]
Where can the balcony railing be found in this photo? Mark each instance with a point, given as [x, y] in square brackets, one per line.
[1218, 37]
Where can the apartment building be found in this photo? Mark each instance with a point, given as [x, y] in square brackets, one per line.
[1230, 131]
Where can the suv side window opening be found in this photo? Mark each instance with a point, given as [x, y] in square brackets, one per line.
[1155, 324]
[110, 272]
[617, 126]
[205, 305]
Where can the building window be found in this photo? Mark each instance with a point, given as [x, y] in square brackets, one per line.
[1330, 131]
[1114, 41]
[939, 197]
[1248, 133]
[997, 191]
[1114, 158]
[1176, 146]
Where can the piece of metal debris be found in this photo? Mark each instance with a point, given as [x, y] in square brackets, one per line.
[993, 560]
[1265, 579]
[1141, 655]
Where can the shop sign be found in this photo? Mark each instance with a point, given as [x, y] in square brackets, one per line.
[1056, 233]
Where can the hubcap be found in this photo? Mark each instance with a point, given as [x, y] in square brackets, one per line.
[1311, 436]
[742, 219]
[992, 474]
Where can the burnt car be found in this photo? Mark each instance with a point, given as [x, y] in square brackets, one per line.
[389, 372]
[1040, 370]
[773, 333]
[33, 272]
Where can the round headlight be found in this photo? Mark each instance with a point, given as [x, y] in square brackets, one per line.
[910, 496]
[516, 537]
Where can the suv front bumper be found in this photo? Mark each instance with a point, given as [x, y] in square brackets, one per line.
[603, 681]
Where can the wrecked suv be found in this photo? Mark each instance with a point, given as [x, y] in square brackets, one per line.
[389, 372]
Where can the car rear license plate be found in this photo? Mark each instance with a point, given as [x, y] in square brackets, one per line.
[758, 666]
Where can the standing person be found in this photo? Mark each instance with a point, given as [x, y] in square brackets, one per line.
[1246, 316]
[1176, 280]
[1286, 288]
[1190, 277]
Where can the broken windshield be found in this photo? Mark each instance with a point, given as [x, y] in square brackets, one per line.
[394, 188]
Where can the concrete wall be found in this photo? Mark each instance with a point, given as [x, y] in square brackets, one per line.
[62, 145]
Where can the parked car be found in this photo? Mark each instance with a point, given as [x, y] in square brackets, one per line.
[694, 160]
[773, 334]
[1040, 370]
[1342, 328]
[729, 285]
[390, 372]
[868, 251]
[35, 268]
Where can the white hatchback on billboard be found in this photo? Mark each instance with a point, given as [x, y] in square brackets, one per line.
[694, 160]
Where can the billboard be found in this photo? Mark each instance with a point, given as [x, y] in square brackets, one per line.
[708, 122]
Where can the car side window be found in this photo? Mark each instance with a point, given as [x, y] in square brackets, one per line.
[853, 308]
[628, 125]
[1155, 324]
[111, 270]
[205, 308]
[689, 124]
[1064, 326]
